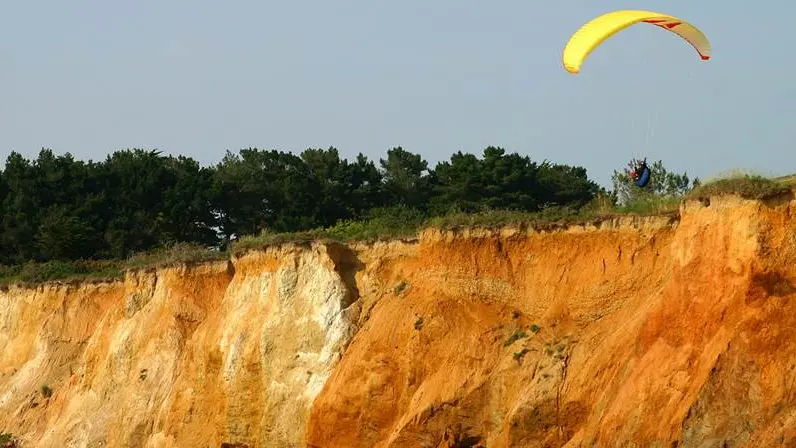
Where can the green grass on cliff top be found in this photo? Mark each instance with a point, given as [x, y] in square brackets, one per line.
[100, 270]
[396, 223]
[747, 186]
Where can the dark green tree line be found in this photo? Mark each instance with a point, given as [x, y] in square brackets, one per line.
[57, 208]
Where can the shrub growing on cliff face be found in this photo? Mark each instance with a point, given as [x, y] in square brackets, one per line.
[400, 288]
[516, 336]
[46, 391]
[7, 440]
[520, 354]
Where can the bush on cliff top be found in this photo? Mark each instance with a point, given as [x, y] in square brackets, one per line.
[382, 223]
[180, 253]
[34, 273]
[747, 186]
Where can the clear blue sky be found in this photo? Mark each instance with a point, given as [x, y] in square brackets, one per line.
[199, 77]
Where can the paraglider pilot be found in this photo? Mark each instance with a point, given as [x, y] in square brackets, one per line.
[641, 174]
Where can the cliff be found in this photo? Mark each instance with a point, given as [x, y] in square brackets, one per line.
[629, 332]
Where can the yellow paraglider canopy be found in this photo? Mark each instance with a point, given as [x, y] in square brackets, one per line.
[596, 31]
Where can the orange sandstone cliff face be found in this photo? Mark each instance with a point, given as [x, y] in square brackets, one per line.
[633, 332]
[188, 357]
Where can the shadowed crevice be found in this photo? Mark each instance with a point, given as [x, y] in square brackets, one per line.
[347, 265]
